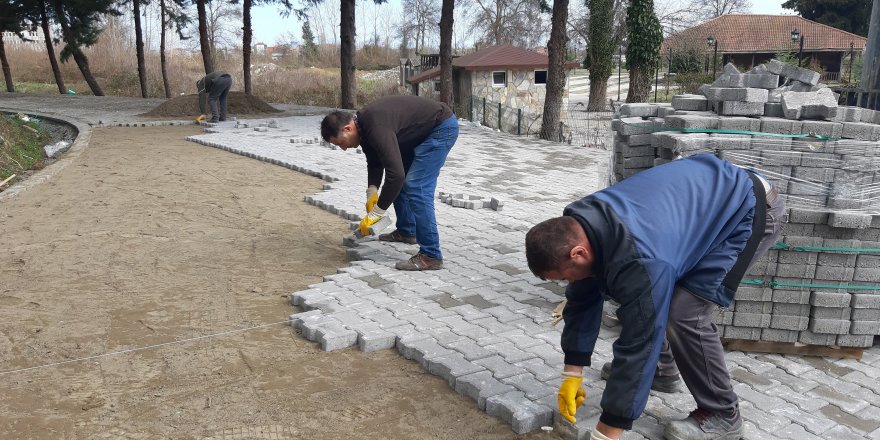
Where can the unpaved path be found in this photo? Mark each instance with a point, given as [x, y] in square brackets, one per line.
[146, 239]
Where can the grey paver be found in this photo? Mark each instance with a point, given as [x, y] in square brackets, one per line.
[521, 413]
[481, 386]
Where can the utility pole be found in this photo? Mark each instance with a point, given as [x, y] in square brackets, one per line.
[870, 82]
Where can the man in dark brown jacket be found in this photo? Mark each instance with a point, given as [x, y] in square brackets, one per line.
[406, 139]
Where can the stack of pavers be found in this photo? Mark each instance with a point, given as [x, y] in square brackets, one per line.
[779, 120]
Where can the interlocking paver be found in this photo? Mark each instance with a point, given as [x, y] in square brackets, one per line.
[485, 304]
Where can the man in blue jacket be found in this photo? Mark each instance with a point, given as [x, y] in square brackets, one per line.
[670, 245]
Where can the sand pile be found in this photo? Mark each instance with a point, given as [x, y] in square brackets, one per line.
[188, 105]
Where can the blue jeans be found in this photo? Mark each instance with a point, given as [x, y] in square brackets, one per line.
[415, 204]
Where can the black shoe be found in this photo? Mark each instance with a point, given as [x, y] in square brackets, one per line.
[398, 237]
[222, 119]
[214, 120]
[662, 384]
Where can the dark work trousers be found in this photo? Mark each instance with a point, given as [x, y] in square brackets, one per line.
[693, 336]
[219, 89]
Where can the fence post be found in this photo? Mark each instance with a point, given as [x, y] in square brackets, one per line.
[484, 111]
[561, 134]
[472, 107]
[518, 121]
[499, 116]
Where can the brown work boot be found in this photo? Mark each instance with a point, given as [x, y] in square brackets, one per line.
[398, 237]
[420, 261]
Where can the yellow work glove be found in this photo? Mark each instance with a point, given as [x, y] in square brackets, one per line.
[571, 396]
[200, 118]
[372, 197]
[371, 218]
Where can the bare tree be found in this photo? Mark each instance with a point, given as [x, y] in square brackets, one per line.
[420, 18]
[717, 8]
[517, 22]
[325, 21]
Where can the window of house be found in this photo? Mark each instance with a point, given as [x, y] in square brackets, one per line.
[499, 78]
[436, 86]
[541, 77]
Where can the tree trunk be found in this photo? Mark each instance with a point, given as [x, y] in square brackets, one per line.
[598, 94]
[203, 37]
[139, 45]
[550, 129]
[81, 60]
[348, 98]
[639, 84]
[50, 48]
[162, 60]
[446, 20]
[7, 73]
[246, 45]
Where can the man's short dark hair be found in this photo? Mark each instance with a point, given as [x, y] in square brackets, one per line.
[549, 243]
[332, 124]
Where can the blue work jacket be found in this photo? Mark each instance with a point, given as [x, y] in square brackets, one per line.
[683, 224]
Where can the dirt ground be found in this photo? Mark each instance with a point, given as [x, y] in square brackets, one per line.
[237, 103]
[147, 239]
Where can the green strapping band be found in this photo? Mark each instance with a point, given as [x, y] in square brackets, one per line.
[750, 133]
[757, 282]
[785, 247]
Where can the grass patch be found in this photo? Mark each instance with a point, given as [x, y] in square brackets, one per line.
[21, 146]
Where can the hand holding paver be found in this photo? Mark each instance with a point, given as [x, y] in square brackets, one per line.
[571, 396]
[370, 219]
[372, 197]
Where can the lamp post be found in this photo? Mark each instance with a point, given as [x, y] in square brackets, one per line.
[712, 42]
[796, 37]
[849, 76]
[619, 62]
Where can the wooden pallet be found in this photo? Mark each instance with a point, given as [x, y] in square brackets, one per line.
[792, 348]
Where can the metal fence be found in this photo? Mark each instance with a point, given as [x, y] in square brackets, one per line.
[578, 126]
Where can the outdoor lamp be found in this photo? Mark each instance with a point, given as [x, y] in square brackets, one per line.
[795, 35]
[710, 40]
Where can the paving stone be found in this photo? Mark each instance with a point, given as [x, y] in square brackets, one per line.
[795, 432]
[451, 366]
[375, 339]
[523, 415]
[814, 424]
[804, 402]
[469, 349]
[500, 368]
[845, 418]
[528, 384]
[334, 336]
[763, 418]
[841, 432]
[481, 386]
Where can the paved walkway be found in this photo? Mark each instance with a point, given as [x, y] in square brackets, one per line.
[483, 322]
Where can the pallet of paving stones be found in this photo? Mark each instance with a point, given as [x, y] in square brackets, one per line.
[820, 286]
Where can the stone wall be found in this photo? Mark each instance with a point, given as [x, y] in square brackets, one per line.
[520, 93]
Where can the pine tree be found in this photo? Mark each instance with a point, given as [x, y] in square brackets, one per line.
[309, 48]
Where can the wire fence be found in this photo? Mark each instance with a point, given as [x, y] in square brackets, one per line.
[577, 126]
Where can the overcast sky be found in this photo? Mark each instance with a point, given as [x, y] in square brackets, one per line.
[269, 26]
